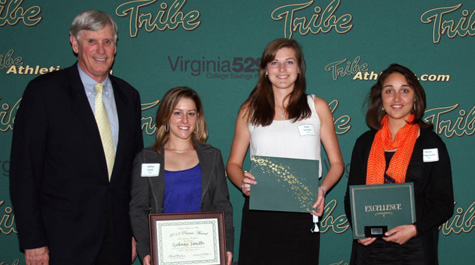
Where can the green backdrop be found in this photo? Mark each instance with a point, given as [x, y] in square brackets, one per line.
[214, 47]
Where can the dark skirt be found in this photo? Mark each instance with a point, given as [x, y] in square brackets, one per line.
[275, 238]
[382, 252]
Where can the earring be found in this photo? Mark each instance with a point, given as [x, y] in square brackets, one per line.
[167, 127]
[197, 129]
[414, 106]
[382, 108]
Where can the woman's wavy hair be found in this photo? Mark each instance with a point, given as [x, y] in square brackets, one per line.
[166, 108]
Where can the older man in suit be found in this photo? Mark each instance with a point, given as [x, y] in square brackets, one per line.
[75, 137]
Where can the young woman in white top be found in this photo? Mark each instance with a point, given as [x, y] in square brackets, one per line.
[268, 122]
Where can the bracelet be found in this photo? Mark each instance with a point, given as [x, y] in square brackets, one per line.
[323, 189]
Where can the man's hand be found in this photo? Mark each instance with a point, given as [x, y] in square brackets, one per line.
[229, 258]
[37, 256]
[134, 250]
[147, 260]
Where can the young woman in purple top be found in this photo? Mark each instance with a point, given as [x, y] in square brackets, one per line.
[185, 174]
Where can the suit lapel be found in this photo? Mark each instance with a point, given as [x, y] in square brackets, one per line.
[206, 166]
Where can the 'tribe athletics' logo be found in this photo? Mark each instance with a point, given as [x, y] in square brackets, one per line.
[441, 26]
[11, 13]
[319, 22]
[360, 71]
[14, 65]
[168, 17]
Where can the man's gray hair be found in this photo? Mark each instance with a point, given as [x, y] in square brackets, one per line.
[92, 20]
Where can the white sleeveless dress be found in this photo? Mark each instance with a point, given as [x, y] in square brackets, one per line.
[285, 138]
[269, 237]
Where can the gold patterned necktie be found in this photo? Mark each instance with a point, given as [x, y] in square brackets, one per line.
[102, 120]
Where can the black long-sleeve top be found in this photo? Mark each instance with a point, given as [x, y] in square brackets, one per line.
[432, 181]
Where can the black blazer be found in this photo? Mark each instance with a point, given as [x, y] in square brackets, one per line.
[59, 183]
[433, 189]
[148, 193]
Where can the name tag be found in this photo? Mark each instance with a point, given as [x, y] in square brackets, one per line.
[430, 155]
[306, 129]
[150, 169]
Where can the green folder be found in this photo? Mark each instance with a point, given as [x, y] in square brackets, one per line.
[284, 184]
[388, 205]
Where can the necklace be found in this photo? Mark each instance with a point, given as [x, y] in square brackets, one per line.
[179, 151]
[279, 109]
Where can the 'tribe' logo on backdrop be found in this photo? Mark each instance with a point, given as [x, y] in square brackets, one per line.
[344, 67]
[7, 221]
[12, 12]
[167, 17]
[320, 22]
[7, 115]
[450, 123]
[442, 25]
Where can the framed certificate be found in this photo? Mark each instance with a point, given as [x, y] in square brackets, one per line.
[378, 208]
[284, 184]
[187, 238]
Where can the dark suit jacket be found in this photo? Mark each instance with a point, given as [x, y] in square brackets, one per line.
[148, 193]
[59, 183]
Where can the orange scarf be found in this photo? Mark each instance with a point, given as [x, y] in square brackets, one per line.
[404, 142]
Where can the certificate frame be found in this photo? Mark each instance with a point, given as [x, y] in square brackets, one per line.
[187, 238]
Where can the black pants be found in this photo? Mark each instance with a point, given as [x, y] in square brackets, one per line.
[108, 254]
